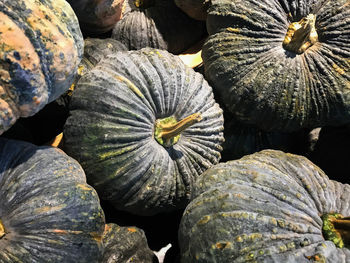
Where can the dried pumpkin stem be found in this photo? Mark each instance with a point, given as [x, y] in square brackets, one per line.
[2, 229]
[168, 130]
[337, 229]
[301, 35]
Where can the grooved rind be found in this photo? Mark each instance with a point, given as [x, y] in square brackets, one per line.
[265, 85]
[48, 211]
[40, 48]
[162, 26]
[264, 207]
[110, 130]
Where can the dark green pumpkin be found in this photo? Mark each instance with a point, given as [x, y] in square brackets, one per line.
[268, 74]
[157, 24]
[97, 16]
[40, 48]
[197, 9]
[47, 211]
[124, 244]
[113, 130]
[266, 207]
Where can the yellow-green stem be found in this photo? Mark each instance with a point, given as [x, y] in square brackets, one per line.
[2, 229]
[168, 130]
[337, 229]
[301, 35]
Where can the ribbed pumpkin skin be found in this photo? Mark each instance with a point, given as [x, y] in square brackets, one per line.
[265, 207]
[110, 130]
[40, 48]
[97, 16]
[48, 211]
[265, 85]
[126, 244]
[162, 26]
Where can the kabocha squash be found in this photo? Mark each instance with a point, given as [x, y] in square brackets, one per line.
[97, 16]
[40, 48]
[47, 211]
[197, 9]
[266, 207]
[144, 126]
[281, 65]
[124, 244]
[157, 24]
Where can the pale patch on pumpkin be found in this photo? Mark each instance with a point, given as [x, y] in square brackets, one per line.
[132, 229]
[204, 220]
[128, 83]
[46, 209]
[96, 236]
[223, 245]
[66, 232]
[338, 69]
[84, 187]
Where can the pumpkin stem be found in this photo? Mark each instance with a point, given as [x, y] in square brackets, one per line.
[168, 130]
[336, 228]
[301, 35]
[2, 229]
[143, 3]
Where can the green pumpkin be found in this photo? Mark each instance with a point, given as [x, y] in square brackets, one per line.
[270, 206]
[157, 24]
[123, 244]
[40, 48]
[281, 65]
[47, 211]
[97, 16]
[197, 9]
[144, 126]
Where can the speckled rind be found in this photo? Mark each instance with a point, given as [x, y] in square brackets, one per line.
[40, 48]
[265, 85]
[97, 16]
[124, 244]
[265, 207]
[49, 212]
[110, 130]
[162, 26]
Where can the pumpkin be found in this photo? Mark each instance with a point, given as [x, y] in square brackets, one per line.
[281, 65]
[144, 126]
[157, 24]
[126, 244]
[97, 17]
[40, 48]
[197, 9]
[270, 206]
[47, 211]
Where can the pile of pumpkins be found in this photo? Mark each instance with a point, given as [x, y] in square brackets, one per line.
[208, 118]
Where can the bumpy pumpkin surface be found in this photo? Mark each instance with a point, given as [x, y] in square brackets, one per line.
[266, 207]
[126, 244]
[118, 130]
[97, 16]
[47, 211]
[281, 64]
[40, 48]
[157, 24]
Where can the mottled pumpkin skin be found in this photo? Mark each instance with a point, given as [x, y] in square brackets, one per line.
[97, 16]
[111, 130]
[123, 244]
[264, 84]
[40, 48]
[48, 211]
[265, 207]
[161, 25]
